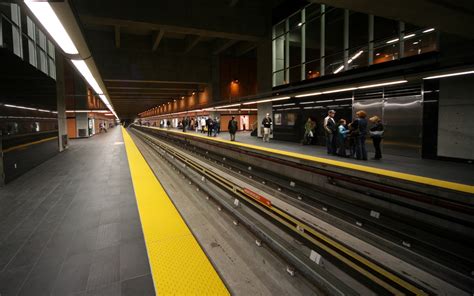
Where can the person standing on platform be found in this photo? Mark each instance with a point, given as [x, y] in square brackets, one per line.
[308, 131]
[267, 127]
[376, 133]
[218, 126]
[232, 127]
[184, 123]
[360, 132]
[341, 138]
[330, 128]
[210, 126]
[203, 124]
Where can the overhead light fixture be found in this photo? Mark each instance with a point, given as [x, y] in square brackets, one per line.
[339, 69]
[339, 90]
[81, 66]
[392, 41]
[409, 36]
[449, 75]
[309, 95]
[382, 84]
[226, 106]
[48, 18]
[428, 30]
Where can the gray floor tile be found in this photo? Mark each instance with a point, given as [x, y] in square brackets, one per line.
[140, 286]
[109, 235]
[114, 289]
[133, 260]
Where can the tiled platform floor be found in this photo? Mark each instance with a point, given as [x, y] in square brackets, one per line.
[71, 226]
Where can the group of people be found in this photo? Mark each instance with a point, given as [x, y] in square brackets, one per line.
[341, 136]
[210, 125]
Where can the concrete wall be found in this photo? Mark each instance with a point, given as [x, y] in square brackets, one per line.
[455, 124]
[82, 122]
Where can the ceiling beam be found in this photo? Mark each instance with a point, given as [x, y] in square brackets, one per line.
[221, 46]
[191, 42]
[117, 36]
[245, 47]
[100, 21]
[157, 36]
[232, 3]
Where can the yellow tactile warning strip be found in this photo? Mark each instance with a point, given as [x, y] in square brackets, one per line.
[179, 266]
[367, 169]
[28, 144]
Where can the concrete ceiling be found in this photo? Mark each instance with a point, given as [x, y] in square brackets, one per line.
[451, 16]
[151, 52]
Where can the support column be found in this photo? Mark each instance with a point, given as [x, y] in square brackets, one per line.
[61, 103]
[371, 39]
[303, 44]
[323, 40]
[287, 50]
[346, 39]
[401, 39]
[2, 174]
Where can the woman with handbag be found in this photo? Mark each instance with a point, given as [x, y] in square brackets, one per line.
[376, 133]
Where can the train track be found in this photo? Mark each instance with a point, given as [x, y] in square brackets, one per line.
[415, 242]
[374, 275]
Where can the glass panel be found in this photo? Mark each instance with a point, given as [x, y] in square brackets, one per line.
[295, 74]
[25, 46]
[279, 57]
[51, 49]
[313, 40]
[295, 21]
[5, 9]
[41, 39]
[385, 28]
[385, 52]
[279, 29]
[42, 62]
[358, 57]
[295, 47]
[420, 43]
[52, 68]
[279, 78]
[358, 29]
[32, 52]
[313, 11]
[313, 69]
[334, 39]
[31, 28]
[7, 34]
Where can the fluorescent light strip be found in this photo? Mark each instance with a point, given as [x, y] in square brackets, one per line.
[226, 106]
[339, 90]
[346, 99]
[309, 95]
[27, 108]
[409, 36]
[392, 41]
[325, 101]
[48, 18]
[449, 75]
[81, 66]
[339, 69]
[428, 30]
[382, 84]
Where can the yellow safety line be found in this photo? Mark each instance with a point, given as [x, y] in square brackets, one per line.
[28, 144]
[366, 169]
[179, 266]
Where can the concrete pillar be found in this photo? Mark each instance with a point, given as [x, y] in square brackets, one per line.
[262, 110]
[401, 36]
[322, 43]
[371, 39]
[214, 89]
[303, 44]
[346, 39]
[61, 103]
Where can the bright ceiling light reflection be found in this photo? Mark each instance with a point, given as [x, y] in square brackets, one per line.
[450, 74]
[86, 73]
[429, 30]
[383, 84]
[339, 69]
[45, 14]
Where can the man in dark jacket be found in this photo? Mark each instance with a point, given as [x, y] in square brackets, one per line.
[267, 127]
[330, 129]
[210, 126]
[232, 127]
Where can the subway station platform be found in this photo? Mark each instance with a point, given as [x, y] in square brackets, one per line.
[453, 176]
[95, 221]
